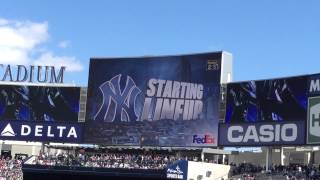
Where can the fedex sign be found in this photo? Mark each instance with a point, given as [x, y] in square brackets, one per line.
[204, 139]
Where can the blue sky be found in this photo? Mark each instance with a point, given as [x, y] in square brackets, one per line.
[268, 38]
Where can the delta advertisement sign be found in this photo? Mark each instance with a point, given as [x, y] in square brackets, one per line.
[154, 101]
[43, 132]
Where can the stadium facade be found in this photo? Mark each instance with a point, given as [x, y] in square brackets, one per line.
[182, 103]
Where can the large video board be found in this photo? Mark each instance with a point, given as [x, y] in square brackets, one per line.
[267, 100]
[272, 112]
[41, 131]
[40, 113]
[156, 101]
[313, 117]
[39, 103]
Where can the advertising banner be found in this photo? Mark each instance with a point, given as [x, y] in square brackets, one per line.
[313, 121]
[41, 131]
[178, 170]
[157, 101]
[39, 103]
[279, 101]
[271, 100]
[262, 134]
[185, 170]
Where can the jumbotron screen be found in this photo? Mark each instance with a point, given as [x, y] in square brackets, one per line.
[39, 103]
[283, 111]
[270, 100]
[156, 101]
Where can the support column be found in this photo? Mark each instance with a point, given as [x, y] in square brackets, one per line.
[178, 154]
[202, 156]
[216, 158]
[308, 158]
[42, 147]
[223, 159]
[2, 145]
[312, 158]
[282, 156]
[268, 158]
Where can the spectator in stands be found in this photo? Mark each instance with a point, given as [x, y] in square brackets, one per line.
[106, 160]
[10, 169]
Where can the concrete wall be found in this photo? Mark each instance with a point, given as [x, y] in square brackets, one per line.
[208, 171]
[291, 156]
[21, 149]
[226, 68]
[296, 157]
[254, 158]
[316, 157]
[25, 149]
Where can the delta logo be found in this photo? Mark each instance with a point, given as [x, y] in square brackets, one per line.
[32, 131]
[8, 131]
[204, 139]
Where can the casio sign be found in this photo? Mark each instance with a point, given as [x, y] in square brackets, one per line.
[264, 133]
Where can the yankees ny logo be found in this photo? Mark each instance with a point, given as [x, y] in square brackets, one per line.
[118, 105]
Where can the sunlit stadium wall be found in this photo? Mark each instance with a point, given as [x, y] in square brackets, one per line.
[83, 102]
[226, 77]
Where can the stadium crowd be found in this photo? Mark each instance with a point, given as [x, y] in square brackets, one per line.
[286, 172]
[10, 169]
[106, 160]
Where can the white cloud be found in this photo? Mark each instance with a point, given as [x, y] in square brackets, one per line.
[64, 44]
[3, 22]
[71, 63]
[24, 42]
[13, 56]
